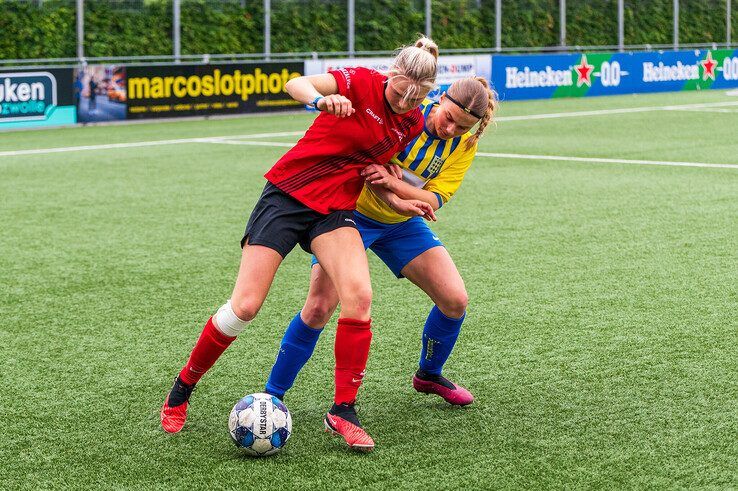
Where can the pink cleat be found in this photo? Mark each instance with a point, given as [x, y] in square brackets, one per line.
[436, 384]
[342, 420]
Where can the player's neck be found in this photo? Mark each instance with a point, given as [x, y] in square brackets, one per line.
[430, 121]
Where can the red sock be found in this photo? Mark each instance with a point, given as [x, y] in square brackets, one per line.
[353, 338]
[211, 344]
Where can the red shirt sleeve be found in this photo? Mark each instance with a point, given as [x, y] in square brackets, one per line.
[353, 82]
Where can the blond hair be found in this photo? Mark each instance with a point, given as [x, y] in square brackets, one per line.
[418, 64]
[476, 94]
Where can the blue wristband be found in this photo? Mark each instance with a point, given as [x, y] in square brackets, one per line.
[314, 104]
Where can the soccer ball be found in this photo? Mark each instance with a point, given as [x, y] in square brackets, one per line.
[260, 424]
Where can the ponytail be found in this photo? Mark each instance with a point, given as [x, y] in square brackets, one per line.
[418, 64]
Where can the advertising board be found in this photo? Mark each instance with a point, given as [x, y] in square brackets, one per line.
[31, 98]
[595, 74]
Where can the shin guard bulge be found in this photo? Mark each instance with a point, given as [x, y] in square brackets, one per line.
[353, 338]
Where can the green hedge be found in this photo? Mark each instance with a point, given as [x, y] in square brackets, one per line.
[144, 27]
[27, 31]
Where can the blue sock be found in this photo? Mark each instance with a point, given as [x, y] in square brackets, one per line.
[439, 337]
[297, 347]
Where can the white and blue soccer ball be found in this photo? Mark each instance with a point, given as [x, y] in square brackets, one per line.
[260, 424]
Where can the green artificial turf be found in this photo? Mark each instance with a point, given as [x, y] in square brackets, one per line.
[601, 338]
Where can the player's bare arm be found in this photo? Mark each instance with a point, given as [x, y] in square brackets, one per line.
[323, 91]
[381, 176]
[405, 207]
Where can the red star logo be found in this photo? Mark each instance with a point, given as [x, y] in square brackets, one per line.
[708, 67]
[584, 72]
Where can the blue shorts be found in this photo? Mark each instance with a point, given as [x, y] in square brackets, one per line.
[395, 243]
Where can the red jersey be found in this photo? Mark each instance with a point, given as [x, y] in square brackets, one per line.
[322, 170]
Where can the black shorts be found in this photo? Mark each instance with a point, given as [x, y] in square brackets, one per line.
[280, 222]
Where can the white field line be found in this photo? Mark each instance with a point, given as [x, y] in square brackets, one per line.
[235, 139]
[705, 110]
[258, 135]
[534, 157]
[224, 140]
[107, 146]
[255, 143]
[602, 112]
[603, 160]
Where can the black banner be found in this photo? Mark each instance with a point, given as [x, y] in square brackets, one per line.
[189, 90]
[36, 95]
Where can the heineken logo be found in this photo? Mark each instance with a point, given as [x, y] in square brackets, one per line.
[609, 73]
[26, 96]
[584, 72]
[527, 78]
[708, 67]
[679, 71]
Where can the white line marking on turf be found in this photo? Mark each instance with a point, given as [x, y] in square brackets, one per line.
[235, 139]
[223, 140]
[260, 144]
[602, 112]
[704, 109]
[603, 160]
[258, 135]
[107, 146]
[82, 148]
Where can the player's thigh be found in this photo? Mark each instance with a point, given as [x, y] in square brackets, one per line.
[436, 274]
[258, 266]
[322, 298]
[341, 254]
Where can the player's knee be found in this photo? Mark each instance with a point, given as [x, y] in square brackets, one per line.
[245, 308]
[454, 304]
[317, 312]
[228, 321]
[358, 300]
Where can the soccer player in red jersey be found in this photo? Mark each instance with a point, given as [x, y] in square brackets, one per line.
[366, 117]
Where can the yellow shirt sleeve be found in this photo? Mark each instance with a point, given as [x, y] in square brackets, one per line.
[450, 177]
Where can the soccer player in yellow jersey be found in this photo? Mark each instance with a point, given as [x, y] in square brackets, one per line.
[431, 168]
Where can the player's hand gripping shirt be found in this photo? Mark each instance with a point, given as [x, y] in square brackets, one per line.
[428, 162]
[323, 170]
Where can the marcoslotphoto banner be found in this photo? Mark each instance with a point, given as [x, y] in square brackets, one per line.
[595, 74]
[189, 90]
[43, 97]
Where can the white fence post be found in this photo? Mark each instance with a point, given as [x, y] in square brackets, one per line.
[562, 22]
[80, 30]
[498, 25]
[176, 30]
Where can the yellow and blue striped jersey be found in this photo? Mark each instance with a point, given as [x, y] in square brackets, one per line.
[428, 162]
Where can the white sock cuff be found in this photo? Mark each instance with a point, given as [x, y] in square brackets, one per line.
[227, 321]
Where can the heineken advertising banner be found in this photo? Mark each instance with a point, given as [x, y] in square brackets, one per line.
[190, 90]
[595, 74]
[36, 98]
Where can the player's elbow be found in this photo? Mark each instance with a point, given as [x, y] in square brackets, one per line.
[290, 85]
